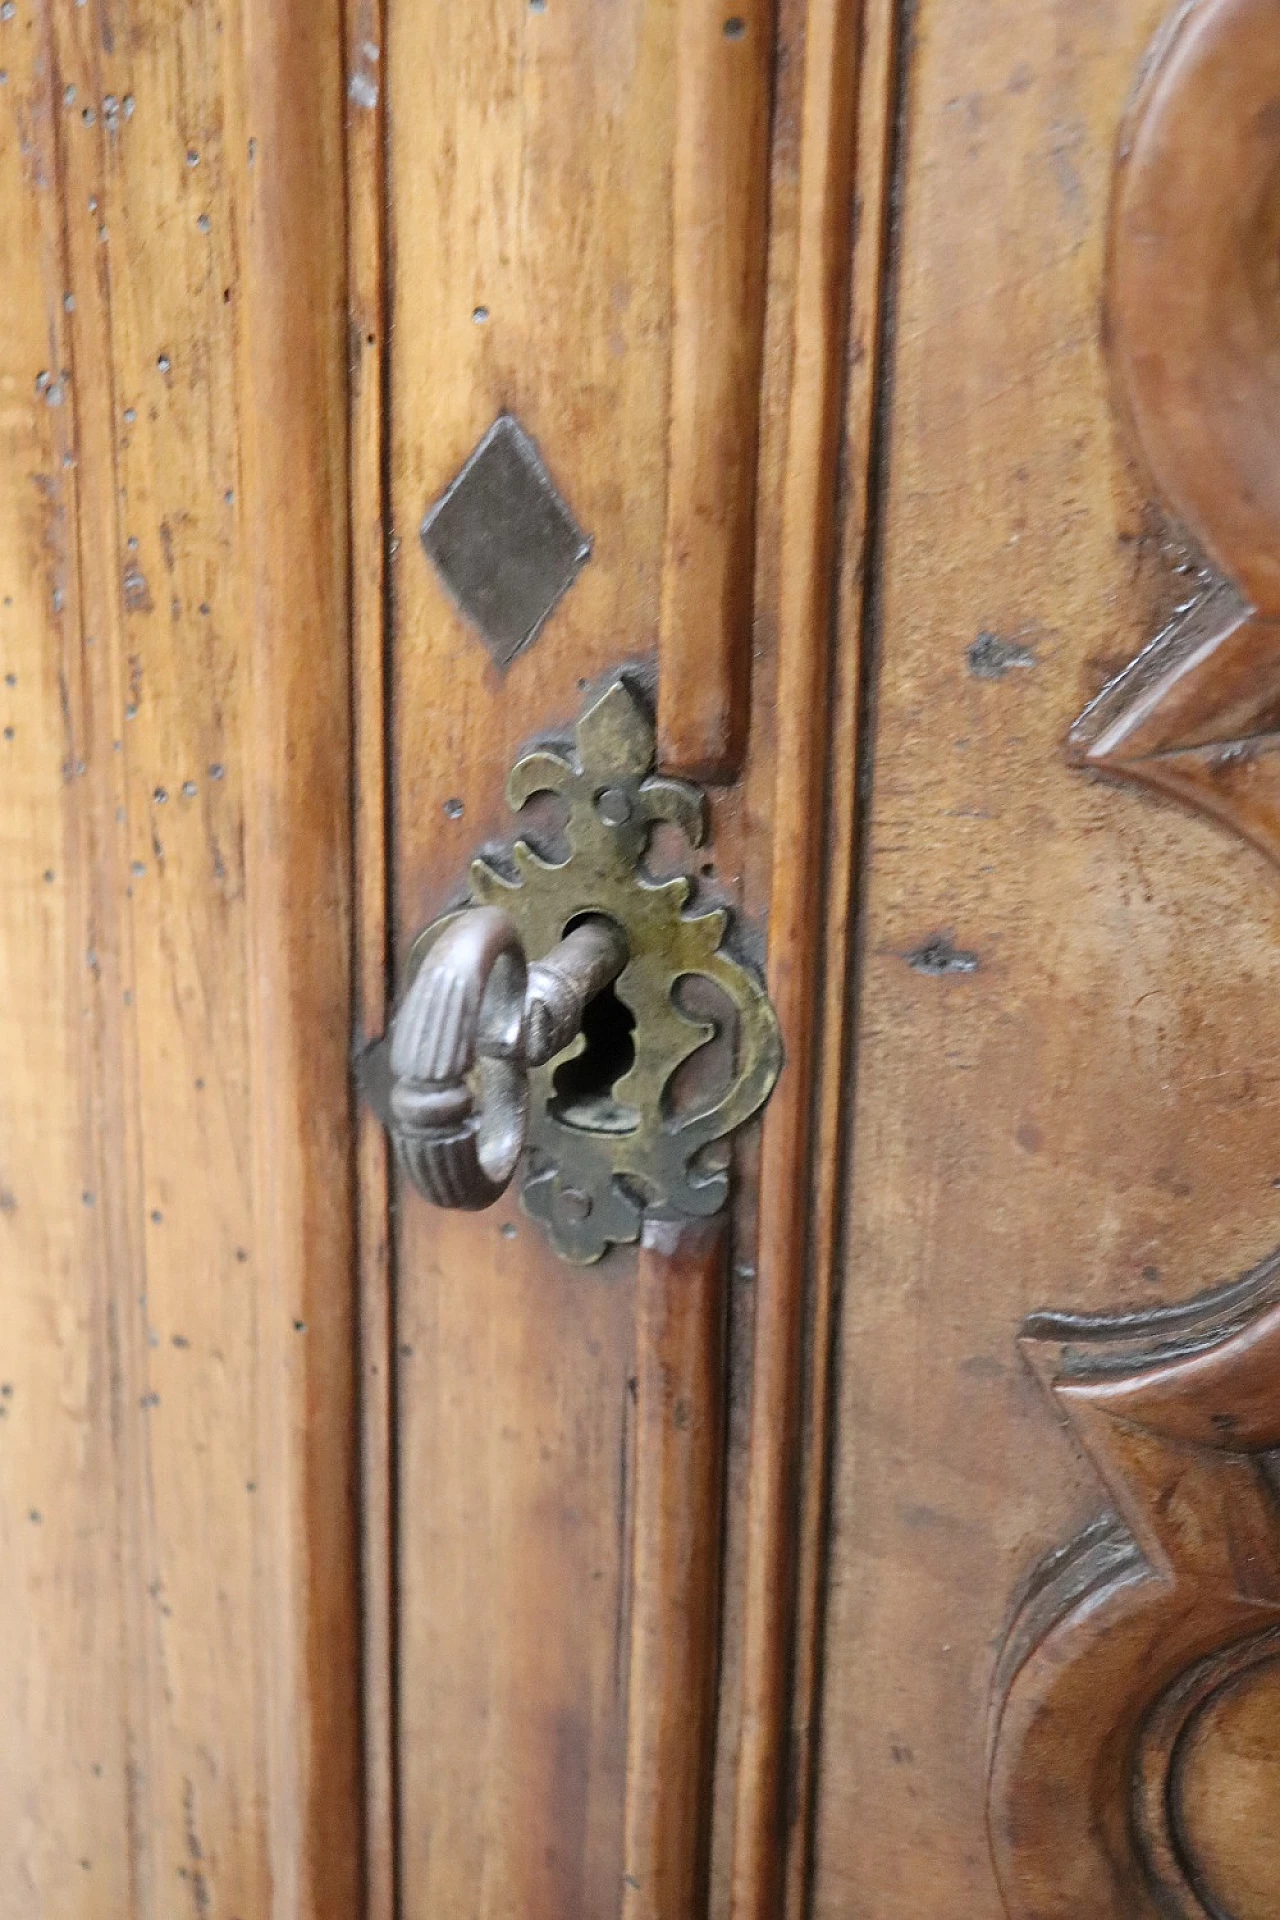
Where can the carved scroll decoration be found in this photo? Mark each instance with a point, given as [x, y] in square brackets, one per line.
[1193, 322]
[1123, 1636]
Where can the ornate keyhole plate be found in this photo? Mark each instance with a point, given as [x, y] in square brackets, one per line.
[601, 1163]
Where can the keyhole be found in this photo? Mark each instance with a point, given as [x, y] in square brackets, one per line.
[583, 1096]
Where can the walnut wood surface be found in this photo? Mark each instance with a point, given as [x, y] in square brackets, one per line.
[1118, 1649]
[722, 64]
[1123, 1638]
[1193, 317]
[1226, 1782]
[364, 159]
[995, 474]
[178, 1662]
[1193, 320]
[528, 180]
[1065, 1080]
[803, 693]
[872, 172]
[843, 439]
[532, 246]
[681, 1298]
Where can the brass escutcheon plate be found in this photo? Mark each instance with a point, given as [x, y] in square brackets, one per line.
[602, 1163]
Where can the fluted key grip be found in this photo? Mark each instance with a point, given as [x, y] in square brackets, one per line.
[460, 1094]
[475, 1018]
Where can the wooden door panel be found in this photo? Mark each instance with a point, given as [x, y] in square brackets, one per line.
[514, 1428]
[179, 1603]
[574, 235]
[60, 1520]
[1065, 1087]
[883, 379]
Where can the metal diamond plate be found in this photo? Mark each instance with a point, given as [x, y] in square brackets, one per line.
[503, 542]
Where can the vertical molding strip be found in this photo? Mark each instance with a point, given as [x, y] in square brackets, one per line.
[675, 1611]
[723, 61]
[294, 511]
[876, 83]
[367, 294]
[796, 921]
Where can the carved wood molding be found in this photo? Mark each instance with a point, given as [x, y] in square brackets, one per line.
[1123, 1638]
[1193, 327]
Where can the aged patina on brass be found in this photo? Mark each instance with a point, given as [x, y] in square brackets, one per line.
[601, 1159]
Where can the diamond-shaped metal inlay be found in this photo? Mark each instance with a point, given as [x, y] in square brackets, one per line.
[503, 542]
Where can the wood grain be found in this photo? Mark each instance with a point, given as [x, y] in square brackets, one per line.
[369, 508]
[1194, 717]
[873, 164]
[1081, 1115]
[1121, 1642]
[497, 1644]
[805, 589]
[297, 877]
[1192, 307]
[1192, 317]
[675, 1568]
[66, 1672]
[189, 1740]
[532, 258]
[1226, 1788]
[529, 229]
[722, 64]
